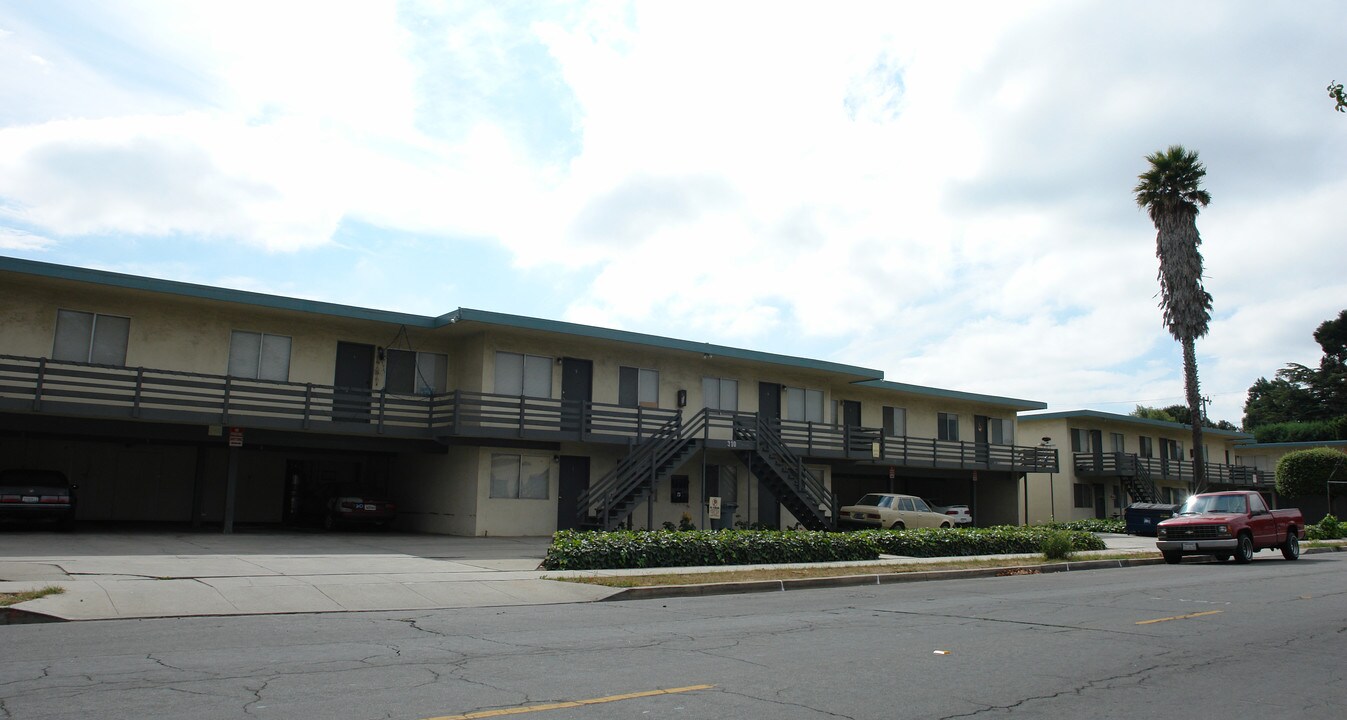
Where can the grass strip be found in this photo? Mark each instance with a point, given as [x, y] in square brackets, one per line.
[7, 598]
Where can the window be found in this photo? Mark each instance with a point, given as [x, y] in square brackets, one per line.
[1171, 449]
[1084, 495]
[947, 426]
[1147, 449]
[528, 375]
[90, 338]
[1080, 440]
[415, 373]
[637, 387]
[259, 356]
[1000, 431]
[895, 421]
[678, 489]
[803, 404]
[720, 393]
[905, 504]
[1117, 442]
[524, 477]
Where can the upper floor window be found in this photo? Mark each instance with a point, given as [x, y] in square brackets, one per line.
[259, 356]
[947, 426]
[1146, 447]
[417, 373]
[637, 386]
[895, 421]
[720, 393]
[529, 375]
[1118, 443]
[1080, 440]
[1171, 449]
[90, 337]
[804, 405]
[1000, 431]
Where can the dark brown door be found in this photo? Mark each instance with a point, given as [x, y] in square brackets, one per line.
[573, 479]
[980, 437]
[769, 407]
[353, 378]
[577, 390]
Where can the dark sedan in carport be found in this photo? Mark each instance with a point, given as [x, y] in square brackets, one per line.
[36, 495]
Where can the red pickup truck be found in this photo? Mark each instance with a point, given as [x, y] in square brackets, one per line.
[1229, 523]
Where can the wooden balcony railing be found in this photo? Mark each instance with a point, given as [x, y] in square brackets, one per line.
[56, 387]
[1120, 464]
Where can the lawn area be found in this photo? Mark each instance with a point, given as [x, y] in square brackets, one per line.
[7, 599]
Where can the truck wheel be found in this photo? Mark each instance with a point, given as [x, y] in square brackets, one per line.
[1291, 548]
[1172, 556]
[1244, 549]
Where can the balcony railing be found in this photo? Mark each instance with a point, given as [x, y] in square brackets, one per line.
[1121, 464]
[56, 387]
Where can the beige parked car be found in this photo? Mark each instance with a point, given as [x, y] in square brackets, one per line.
[897, 512]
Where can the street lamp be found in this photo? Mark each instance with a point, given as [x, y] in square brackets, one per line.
[1052, 490]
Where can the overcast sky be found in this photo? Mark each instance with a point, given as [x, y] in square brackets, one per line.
[940, 190]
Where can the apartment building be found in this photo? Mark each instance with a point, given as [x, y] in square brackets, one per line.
[1114, 460]
[174, 402]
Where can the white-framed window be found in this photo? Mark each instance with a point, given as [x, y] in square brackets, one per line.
[1171, 449]
[947, 426]
[1119, 444]
[895, 421]
[1145, 447]
[528, 375]
[1000, 431]
[416, 373]
[259, 356]
[803, 404]
[637, 387]
[521, 477]
[720, 393]
[90, 337]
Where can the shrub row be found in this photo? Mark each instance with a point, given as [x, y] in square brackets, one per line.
[1330, 528]
[1094, 525]
[579, 550]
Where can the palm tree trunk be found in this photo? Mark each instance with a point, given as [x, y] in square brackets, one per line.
[1195, 411]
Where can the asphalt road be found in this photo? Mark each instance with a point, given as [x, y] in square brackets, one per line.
[1194, 641]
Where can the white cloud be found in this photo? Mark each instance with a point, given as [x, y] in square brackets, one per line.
[14, 239]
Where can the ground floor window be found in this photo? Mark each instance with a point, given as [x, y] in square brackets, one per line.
[524, 477]
[678, 489]
[1084, 495]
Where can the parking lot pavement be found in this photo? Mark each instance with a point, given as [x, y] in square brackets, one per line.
[139, 574]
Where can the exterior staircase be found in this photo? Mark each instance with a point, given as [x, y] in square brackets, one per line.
[1139, 484]
[610, 501]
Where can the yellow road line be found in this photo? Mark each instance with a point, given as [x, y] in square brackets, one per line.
[569, 704]
[1181, 617]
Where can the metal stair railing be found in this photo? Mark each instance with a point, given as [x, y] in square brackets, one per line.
[1140, 484]
[637, 471]
[808, 490]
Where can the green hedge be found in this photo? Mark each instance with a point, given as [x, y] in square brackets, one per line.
[1094, 525]
[578, 550]
[1329, 528]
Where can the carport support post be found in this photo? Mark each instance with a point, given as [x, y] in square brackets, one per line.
[198, 486]
[231, 486]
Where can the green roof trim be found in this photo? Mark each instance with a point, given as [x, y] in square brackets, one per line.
[208, 292]
[954, 394]
[1298, 444]
[1131, 419]
[599, 333]
[280, 302]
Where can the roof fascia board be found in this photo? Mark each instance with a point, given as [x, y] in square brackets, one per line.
[1130, 419]
[1015, 403]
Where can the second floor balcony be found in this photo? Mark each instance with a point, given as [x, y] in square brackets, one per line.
[45, 386]
[1173, 470]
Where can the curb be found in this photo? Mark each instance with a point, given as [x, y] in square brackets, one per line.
[16, 616]
[655, 592]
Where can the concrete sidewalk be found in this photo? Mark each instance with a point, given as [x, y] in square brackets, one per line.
[118, 575]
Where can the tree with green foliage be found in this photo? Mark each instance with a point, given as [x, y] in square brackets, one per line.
[1335, 92]
[1307, 472]
[1309, 396]
[1171, 193]
[1179, 414]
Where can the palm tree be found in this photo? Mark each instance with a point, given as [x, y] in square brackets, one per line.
[1170, 191]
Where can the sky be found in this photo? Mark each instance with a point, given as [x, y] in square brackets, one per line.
[938, 190]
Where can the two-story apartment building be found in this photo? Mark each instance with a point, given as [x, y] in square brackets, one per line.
[1263, 458]
[1111, 461]
[173, 402]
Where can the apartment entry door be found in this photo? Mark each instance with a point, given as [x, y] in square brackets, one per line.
[353, 379]
[577, 390]
[769, 408]
[572, 480]
[980, 438]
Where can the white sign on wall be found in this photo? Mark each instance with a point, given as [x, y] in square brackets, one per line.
[713, 508]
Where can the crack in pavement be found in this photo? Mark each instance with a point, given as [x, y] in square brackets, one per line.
[1030, 623]
[1143, 674]
[782, 702]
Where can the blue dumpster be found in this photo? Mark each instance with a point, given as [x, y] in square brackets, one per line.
[1141, 518]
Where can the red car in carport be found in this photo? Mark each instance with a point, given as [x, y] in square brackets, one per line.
[36, 495]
